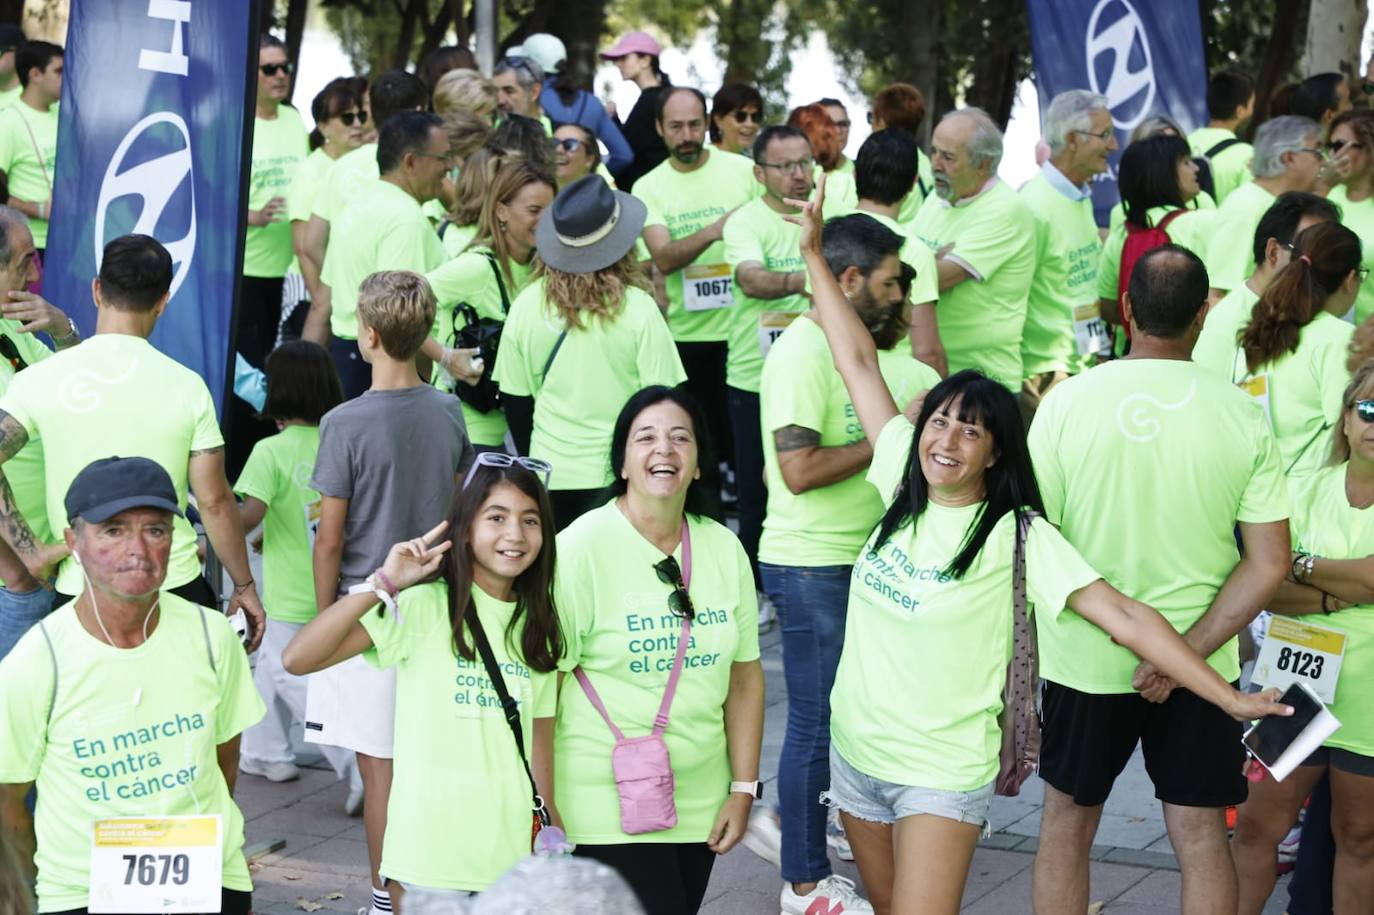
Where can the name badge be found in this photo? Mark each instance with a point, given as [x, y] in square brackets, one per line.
[156, 864]
[1297, 650]
[1257, 387]
[1090, 331]
[706, 287]
[771, 326]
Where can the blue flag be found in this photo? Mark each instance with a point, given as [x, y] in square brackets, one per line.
[1145, 56]
[152, 139]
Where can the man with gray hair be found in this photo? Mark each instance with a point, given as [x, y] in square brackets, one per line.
[1064, 331]
[984, 239]
[1287, 157]
[518, 82]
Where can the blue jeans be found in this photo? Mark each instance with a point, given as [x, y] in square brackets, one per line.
[18, 612]
[811, 604]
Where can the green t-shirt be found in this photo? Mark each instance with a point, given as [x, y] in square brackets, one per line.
[342, 182]
[1302, 392]
[925, 187]
[1358, 217]
[756, 232]
[685, 203]
[1146, 465]
[469, 278]
[279, 147]
[1230, 256]
[9, 96]
[926, 287]
[1202, 202]
[93, 401]
[456, 238]
[616, 625]
[278, 474]
[1326, 524]
[919, 685]
[455, 757]
[25, 469]
[381, 228]
[306, 185]
[1230, 167]
[1216, 346]
[132, 732]
[981, 319]
[596, 370]
[824, 526]
[840, 188]
[28, 157]
[1193, 230]
[1068, 250]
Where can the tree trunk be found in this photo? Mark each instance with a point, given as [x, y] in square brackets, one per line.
[436, 31]
[1278, 57]
[922, 33]
[580, 24]
[462, 33]
[405, 42]
[1334, 30]
[295, 33]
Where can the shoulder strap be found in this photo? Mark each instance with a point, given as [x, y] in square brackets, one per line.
[1164, 223]
[557, 345]
[1221, 147]
[52, 653]
[509, 706]
[443, 227]
[501, 285]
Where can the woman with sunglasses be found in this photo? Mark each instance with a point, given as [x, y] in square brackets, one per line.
[736, 118]
[479, 285]
[1291, 356]
[340, 123]
[1352, 165]
[576, 153]
[638, 576]
[1332, 586]
[483, 575]
[928, 634]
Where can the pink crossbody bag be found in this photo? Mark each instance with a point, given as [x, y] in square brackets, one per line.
[643, 771]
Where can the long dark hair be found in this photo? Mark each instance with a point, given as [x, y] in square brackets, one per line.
[534, 624]
[302, 383]
[1323, 256]
[1148, 176]
[700, 500]
[1010, 481]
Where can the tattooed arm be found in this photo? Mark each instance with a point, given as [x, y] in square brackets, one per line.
[805, 465]
[224, 528]
[37, 557]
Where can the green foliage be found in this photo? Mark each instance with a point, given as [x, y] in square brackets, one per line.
[1237, 32]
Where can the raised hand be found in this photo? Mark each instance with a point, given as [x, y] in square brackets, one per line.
[413, 561]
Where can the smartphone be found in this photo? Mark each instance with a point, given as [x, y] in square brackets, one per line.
[242, 628]
[1282, 743]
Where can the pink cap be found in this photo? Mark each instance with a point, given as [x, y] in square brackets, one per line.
[633, 43]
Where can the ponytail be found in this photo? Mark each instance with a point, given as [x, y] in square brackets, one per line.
[1323, 256]
[316, 139]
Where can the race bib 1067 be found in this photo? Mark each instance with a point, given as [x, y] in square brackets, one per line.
[706, 287]
[156, 864]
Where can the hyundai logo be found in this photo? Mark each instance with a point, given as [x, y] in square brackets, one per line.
[154, 182]
[1130, 82]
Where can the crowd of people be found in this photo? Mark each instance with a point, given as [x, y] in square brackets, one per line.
[544, 416]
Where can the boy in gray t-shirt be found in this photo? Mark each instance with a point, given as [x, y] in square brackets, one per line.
[386, 468]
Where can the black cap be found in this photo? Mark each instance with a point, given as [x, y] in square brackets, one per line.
[11, 37]
[106, 487]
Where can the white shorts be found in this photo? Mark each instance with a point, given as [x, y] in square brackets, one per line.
[352, 705]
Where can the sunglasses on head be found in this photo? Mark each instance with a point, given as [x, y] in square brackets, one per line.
[568, 144]
[500, 459]
[741, 116]
[1337, 145]
[679, 602]
[512, 60]
[1364, 409]
[274, 69]
[350, 117]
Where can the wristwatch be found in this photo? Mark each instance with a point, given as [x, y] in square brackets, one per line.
[751, 788]
[71, 331]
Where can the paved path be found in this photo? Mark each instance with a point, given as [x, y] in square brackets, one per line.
[323, 865]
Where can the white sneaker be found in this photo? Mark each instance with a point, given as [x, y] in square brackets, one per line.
[273, 772]
[353, 804]
[768, 614]
[764, 835]
[835, 837]
[835, 895]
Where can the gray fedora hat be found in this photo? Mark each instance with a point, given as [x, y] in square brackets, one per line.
[588, 227]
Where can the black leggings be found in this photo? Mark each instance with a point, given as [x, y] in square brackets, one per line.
[232, 902]
[670, 878]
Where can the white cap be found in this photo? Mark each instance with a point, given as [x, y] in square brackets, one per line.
[544, 49]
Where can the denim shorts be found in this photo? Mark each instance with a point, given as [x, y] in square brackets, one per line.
[877, 801]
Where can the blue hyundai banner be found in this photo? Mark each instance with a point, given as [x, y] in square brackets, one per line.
[153, 139]
[1145, 56]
